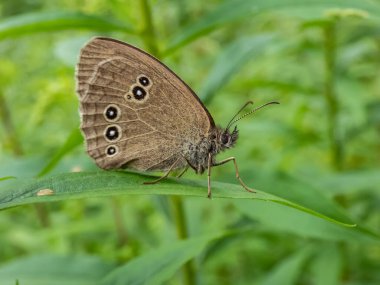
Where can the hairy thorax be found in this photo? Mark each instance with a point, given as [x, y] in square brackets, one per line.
[197, 153]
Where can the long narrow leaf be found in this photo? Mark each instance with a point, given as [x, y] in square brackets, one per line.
[49, 269]
[75, 138]
[6, 178]
[237, 9]
[57, 21]
[108, 183]
[288, 220]
[349, 182]
[232, 58]
[288, 271]
[327, 266]
[158, 266]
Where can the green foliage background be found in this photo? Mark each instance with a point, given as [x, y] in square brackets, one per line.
[314, 158]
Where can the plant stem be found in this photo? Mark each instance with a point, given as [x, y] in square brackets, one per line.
[150, 41]
[182, 10]
[119, 222]
[336, 146]
[10, 133]
[147, 30]
[182, 233]
[43, 215]
[16, 148]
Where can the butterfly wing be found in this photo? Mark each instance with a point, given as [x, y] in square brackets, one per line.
[135, 111]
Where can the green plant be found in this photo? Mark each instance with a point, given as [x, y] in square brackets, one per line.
[315, 219]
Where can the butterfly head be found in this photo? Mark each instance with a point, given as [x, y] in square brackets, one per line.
[227, 139]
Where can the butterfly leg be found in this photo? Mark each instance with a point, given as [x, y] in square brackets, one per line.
[183, 171]
[163, 176]
[209, 176]
[237, 172]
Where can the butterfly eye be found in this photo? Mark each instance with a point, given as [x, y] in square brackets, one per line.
[225, 138]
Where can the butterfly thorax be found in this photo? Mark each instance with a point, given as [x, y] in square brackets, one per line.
[218, 139]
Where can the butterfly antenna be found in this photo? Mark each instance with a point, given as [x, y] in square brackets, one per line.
[237, 113]
[250, 112]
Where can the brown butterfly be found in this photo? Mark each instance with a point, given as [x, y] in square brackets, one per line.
[137, 113]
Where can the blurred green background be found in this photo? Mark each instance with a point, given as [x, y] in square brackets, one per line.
[320, 148]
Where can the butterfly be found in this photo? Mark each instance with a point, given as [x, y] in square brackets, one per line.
[136, 113]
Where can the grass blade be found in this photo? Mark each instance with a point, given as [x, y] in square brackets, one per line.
[158, 266]
[288, 220]
[6, 178]
[75, 138]
[25, 24]
[288, 270]
[327, 267]
[231, 11]
[109, 183]
[49, 269]
[231, 59]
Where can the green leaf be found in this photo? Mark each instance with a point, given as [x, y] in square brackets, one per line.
[57, 21]
[327, 266]
[27, 166]
[158, 266]
[237, 9]
[75, 138]
[108, 183]
[230, 11]
[350, 182]
[302, 193]
[232, 58]
[6, 178]
[288, 220]
[48, 269]
[288, 270]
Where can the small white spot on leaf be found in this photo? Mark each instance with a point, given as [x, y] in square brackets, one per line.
[45, 192]
[76, 169]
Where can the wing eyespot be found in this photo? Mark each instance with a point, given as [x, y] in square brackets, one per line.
[112, 150]
[112, 113]
[112, 133]
[144, 81]
[139, 93]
